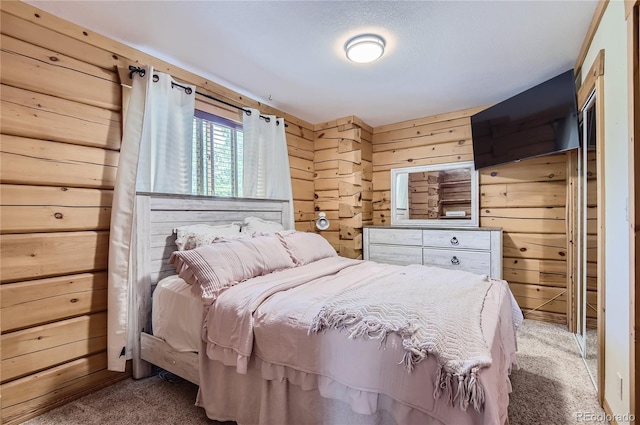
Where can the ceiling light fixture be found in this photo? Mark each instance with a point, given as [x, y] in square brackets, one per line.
[364, 48]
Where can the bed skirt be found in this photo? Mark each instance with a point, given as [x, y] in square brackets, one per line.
[250, 399]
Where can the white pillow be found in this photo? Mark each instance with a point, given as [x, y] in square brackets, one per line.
[306, 247]
[197, 235]
[253, 225]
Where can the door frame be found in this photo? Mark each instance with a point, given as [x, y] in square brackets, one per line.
[633, 59]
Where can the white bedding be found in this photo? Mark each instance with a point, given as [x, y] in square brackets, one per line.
[274, 313]
[266, 380]
[177, 314]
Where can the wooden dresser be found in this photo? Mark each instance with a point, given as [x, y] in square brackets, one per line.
[478, 249]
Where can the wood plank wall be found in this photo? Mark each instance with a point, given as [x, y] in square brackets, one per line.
[343, 186]
[61, 130]
[526, 199]
[437, 139]
[60, 138]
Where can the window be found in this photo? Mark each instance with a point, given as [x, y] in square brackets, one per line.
[217, 156]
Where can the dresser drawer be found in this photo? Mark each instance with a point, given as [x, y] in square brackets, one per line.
[396, 236]
[459, 239]
[471, 261]
[402, 255]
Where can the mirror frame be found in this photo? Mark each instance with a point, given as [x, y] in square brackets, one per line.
[475, 211]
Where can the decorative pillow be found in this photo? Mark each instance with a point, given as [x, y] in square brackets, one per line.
[306, 247]
[197, 235]
[218, 266]
[253, 225]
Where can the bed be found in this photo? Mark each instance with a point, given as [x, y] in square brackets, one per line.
[282, 377]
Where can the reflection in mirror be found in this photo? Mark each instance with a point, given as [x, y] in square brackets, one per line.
[402, 196]
[440, 194]
[444, 195]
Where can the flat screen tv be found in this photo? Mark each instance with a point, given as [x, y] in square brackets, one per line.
[539, 121]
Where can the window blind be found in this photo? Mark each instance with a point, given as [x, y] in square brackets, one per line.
[217, 156]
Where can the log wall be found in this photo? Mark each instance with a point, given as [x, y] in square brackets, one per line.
[343, 186]
[431, 140]
[526, 199]
[61, 129]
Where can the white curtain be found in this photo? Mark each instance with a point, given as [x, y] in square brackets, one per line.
[158, 125]
[266, 173]
[165, 152]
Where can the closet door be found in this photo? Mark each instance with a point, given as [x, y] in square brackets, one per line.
[587, 232]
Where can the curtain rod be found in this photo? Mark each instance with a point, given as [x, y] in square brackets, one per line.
[188, 90]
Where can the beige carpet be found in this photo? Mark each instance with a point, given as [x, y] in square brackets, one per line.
[592, 353]
[552, 387]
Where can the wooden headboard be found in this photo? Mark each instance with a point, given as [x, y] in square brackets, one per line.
[155, 218]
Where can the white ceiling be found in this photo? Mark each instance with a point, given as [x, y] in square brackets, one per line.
[441, 56]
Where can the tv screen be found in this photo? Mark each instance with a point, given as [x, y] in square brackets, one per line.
[539, 121]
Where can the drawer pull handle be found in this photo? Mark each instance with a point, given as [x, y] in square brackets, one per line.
[454, 241]
[455, 261]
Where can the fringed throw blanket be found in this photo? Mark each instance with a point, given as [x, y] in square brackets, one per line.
[435, 311]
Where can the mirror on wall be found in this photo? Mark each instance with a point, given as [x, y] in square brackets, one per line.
[436, 195]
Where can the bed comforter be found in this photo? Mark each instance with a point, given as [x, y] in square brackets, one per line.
[269, 318]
